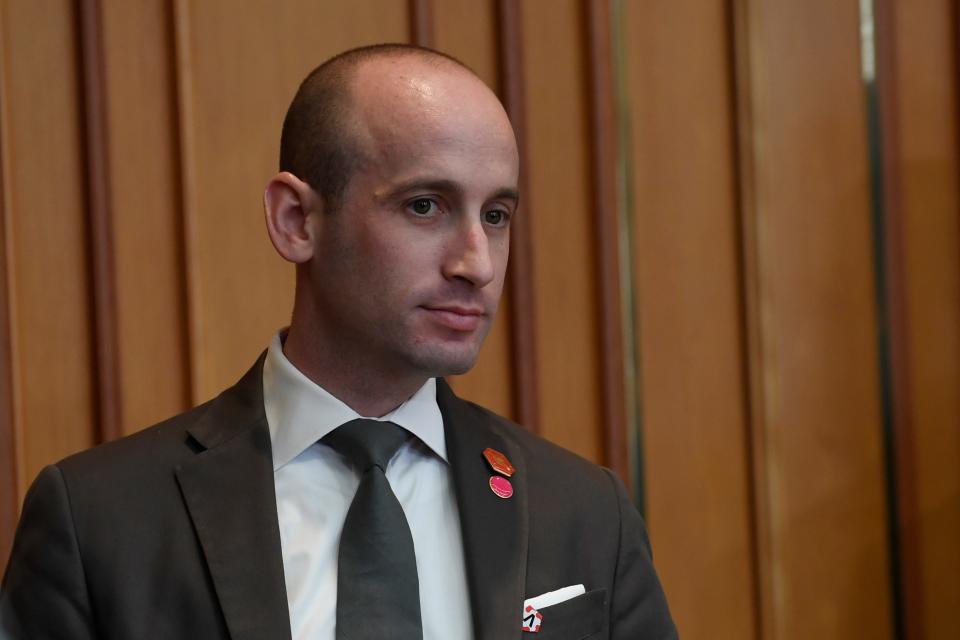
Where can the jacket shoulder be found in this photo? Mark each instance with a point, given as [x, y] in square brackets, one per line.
[162, 444]
[169, 442]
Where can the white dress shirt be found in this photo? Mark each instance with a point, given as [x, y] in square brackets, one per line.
[315, 485]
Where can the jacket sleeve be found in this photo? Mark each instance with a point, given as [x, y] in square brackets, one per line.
[44, 592]
[638, 606]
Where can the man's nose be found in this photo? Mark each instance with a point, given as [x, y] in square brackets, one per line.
[469, 256]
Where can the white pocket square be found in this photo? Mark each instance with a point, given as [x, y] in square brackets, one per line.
[554, 597]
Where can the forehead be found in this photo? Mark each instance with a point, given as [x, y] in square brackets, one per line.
[409, 114]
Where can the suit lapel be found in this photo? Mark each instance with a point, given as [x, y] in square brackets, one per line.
[495, 529]
[229, 492]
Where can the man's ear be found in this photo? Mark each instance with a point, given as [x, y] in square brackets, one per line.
[288, 202]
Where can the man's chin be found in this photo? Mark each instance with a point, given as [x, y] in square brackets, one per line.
[439, 361]
[459, 370]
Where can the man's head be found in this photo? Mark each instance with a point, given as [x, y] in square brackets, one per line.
[398, 181]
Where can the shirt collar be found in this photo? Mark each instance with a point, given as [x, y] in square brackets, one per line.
[300, 412]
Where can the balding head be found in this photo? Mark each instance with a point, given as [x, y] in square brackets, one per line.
[320, 142]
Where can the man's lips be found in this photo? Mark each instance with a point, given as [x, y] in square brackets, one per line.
[456, 317]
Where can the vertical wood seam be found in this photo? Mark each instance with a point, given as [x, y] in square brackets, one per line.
[905, 538]
[182, 329]
[11, 420]
[750, 319]
[606, 234]
[421, 22]
[99, 208]
[955, 19]
[523, 323]
[187, 167]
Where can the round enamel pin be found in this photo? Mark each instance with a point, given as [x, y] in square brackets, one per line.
[501, 486]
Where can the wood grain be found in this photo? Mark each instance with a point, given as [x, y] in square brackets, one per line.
[468, 30]
[145, 191]
[50, 291]
[607, 233]
[928, 164]
[817, 362]
[100, 213]
[187, 173]
[421, 22]
[901, 443]
[756, 402]
[564, 255]
[688, 312]
[10, 461]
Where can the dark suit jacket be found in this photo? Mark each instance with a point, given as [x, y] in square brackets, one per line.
[172, 533]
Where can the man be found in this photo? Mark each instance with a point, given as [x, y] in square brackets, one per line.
[274, 510]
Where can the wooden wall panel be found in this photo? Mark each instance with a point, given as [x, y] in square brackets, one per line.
[466, 30]
[816, 381]
[99, 210]
[609, 230]
[9, 462]
[685, 241]
[50, 291]
[421, 23]
[141, 112]
[233, 101]
[929, 171]
[559, 179]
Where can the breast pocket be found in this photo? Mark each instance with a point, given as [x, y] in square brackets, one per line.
[574, 619]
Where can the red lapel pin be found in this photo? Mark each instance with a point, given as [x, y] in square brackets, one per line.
[498, 462]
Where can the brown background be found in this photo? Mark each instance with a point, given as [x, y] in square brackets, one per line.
[735, 280]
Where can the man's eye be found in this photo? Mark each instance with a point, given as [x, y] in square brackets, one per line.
[495, 217]
[422, 206]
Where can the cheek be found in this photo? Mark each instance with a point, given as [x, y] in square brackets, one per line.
[500, 255]
[392, 270]
[404, 256]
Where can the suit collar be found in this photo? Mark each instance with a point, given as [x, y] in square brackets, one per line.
[228, 489]
[234, 411]
[495, 530]
[229, 492]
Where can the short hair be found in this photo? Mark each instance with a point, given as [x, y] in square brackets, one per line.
[316, 142]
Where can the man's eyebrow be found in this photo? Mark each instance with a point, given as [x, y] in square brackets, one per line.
[442, 184]
[508, 193]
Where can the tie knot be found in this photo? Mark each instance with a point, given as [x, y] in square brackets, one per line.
[367, 443]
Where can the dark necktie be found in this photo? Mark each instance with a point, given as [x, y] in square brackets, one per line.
[378, 594]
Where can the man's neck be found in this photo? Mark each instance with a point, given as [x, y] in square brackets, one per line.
[369, 390]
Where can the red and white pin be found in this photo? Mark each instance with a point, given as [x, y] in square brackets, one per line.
[532, 619]
[501, 486]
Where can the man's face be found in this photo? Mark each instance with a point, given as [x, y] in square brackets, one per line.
[408, 272]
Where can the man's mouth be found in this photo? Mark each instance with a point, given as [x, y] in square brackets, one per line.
[456, 317]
